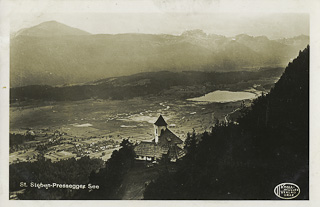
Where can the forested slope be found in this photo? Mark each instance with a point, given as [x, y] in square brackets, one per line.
[269, 146]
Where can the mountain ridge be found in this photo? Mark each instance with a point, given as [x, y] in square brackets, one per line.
[37, 57]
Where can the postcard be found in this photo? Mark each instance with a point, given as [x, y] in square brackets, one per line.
[153, 103]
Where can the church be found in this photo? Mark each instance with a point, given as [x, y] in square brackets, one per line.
[165, 144]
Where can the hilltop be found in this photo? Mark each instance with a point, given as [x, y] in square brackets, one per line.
[50, 29]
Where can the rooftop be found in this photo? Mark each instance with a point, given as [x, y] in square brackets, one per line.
[161, 121]
[168, 137]
[150, 149]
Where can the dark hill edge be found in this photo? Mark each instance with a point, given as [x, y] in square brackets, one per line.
[269, 146]
[178, 84]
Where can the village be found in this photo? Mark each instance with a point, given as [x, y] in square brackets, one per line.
[57, 145]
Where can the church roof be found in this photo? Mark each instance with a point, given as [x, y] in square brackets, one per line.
[167, 137]
[161, 121]
[150, 149]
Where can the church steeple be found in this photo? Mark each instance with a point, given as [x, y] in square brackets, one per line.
[160, 121]
[159, 126]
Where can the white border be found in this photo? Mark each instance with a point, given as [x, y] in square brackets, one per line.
[10, 7]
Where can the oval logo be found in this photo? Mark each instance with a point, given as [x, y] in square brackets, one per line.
[287, 190]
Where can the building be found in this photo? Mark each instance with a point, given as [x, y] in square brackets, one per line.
[164, 145]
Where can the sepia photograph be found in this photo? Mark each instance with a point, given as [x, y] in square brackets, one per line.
[158, 100]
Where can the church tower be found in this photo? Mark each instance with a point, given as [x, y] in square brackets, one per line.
[159, 126]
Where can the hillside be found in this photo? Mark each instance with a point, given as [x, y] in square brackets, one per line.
[158, 84]
[269, 146]
[55, 54]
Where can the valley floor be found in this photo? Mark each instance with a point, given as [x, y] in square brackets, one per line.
[96, 127]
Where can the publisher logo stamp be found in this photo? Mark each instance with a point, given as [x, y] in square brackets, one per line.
[287, 190]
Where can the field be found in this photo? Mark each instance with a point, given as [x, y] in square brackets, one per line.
[29, 155]
[118, 119]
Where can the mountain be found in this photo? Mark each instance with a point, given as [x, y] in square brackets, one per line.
[272, 51]
[49, 29]
[54, 54]
[246, 160]
[298, 41]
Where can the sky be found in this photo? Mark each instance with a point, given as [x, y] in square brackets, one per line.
[229, 24]
[223, 17]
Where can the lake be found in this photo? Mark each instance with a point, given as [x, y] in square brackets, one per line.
[224, 96]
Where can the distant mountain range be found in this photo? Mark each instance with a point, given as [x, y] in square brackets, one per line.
[53, 54]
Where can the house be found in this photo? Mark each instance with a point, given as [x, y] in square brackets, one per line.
[164, 144]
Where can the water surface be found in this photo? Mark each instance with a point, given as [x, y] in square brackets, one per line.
[224, 96]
